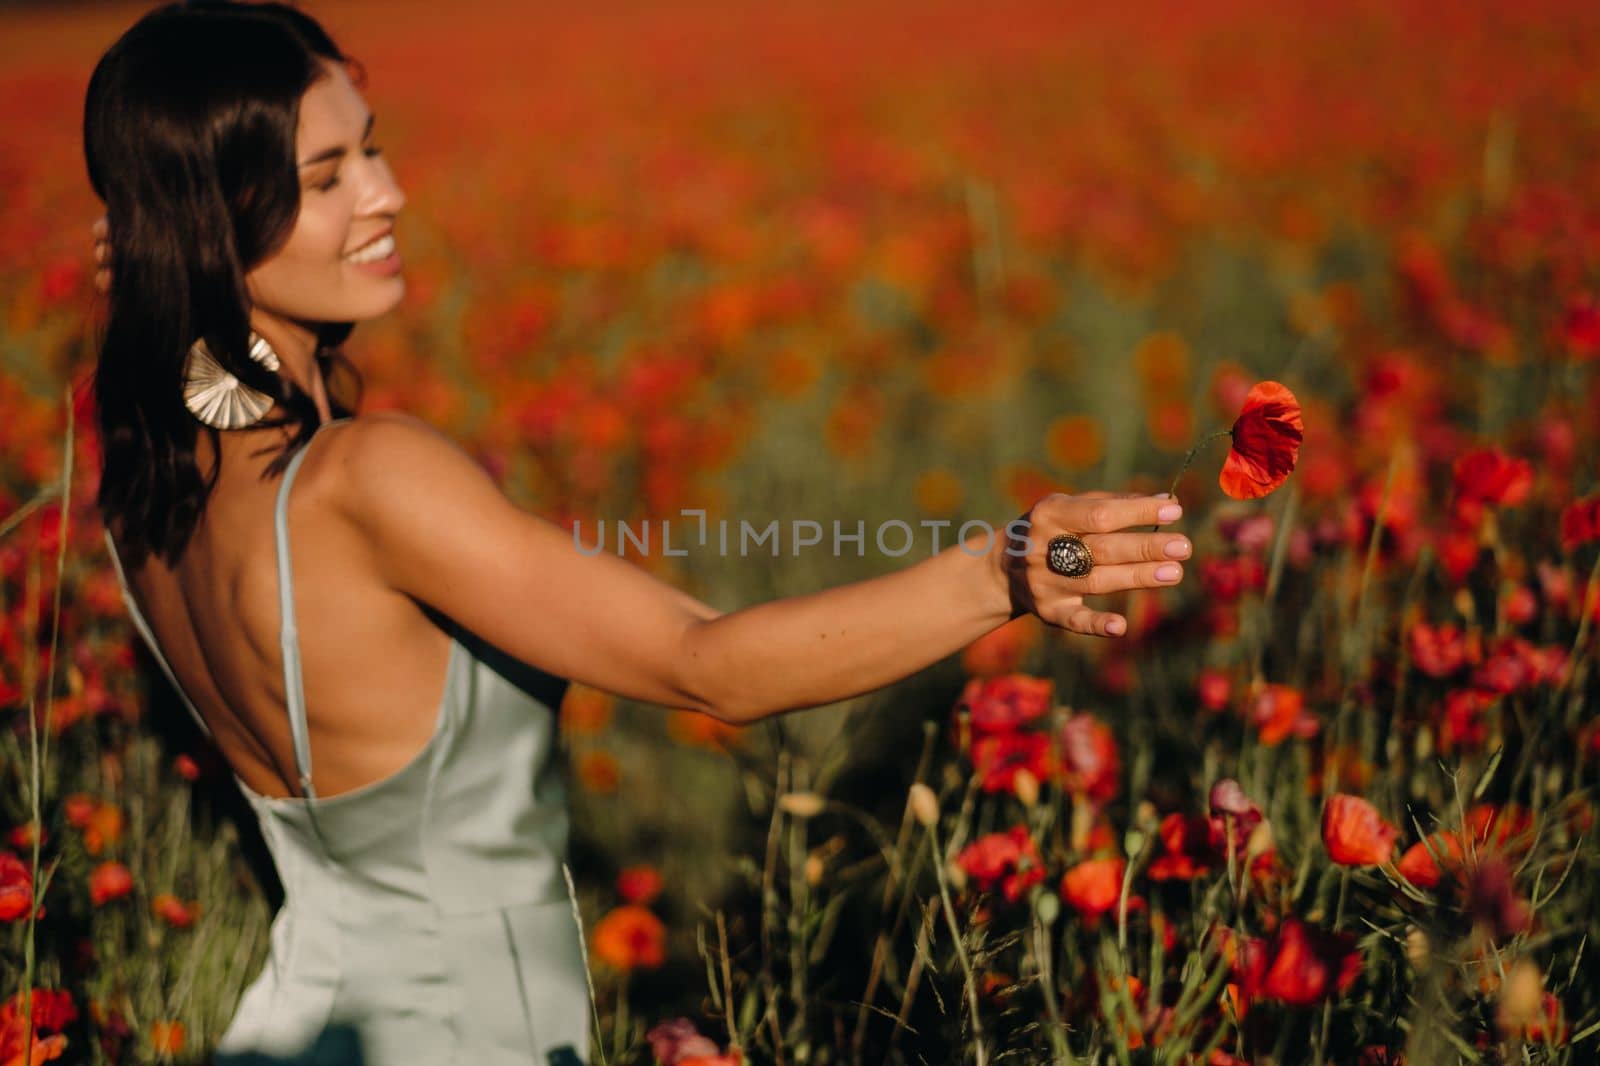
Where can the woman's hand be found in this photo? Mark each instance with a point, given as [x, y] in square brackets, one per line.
[1121, 560]
[102, 253]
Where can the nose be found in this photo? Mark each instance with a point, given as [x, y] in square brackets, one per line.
[382, 195]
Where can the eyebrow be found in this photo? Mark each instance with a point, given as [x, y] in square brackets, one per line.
[335, 153]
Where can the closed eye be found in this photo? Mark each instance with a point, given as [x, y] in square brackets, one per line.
[374, 150]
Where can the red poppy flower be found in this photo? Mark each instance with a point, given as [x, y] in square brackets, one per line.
[16, 887]
[104, 827]
[1278, 712]
[1354, 833]
[999, 758]
[1458, 553]
[630, 937]
[1231, 808]
[677, 1041]
[167, 1036]
[1310, 964]
[1490, 476]
[53, 1008]
[1580, 523]
[639, 884]
[109, 881]
[1225, 580]
[1419, 866]
[1214, 688]
[1439, 651]
[1093, 887]
[172, 910]
[1580, 327]
[1463, 719]
[1266, 442]
[79, 808]
[186, 767]
[1186, 848]
[1090, 763]
[1503, 829]
[1006, 704]
[1010, 859]
[21, 836]
[1513, 664]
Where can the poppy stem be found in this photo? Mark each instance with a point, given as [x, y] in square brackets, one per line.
[1187, 459]
[1327, 1006]
[971, 982]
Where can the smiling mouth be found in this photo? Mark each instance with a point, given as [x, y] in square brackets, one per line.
[382, 248]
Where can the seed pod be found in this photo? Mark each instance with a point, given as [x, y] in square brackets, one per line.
[924, 804]
[1521, 998]
[801, 804]
[1418, 949]
[1260, 840]
[1026, 786]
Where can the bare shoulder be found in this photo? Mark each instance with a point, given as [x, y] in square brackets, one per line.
[376, 455]
[375, 439]
[415, 496]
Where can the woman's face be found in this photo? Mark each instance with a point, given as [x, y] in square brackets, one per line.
[340, 263]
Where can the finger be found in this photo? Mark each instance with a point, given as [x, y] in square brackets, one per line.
[1110, 515]
[1137, 547]
[102, 251]
[1104, 579]
[101, 228]
[102, 280]
[1090, 622]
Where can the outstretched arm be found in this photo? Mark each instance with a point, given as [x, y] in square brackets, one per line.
[442, 532]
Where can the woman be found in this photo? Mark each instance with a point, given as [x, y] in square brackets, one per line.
[252, 217]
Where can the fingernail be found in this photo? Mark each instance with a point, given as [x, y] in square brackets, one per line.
[1168, 572]
[1163, 496]
[1177, 549]
[1116, 627]
[1170, 513]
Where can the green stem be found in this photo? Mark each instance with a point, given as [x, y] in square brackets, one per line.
[1188, 459]
[1591, 590]
[39, 747]
[961, 950]
[588, 975]
[1327, 1006]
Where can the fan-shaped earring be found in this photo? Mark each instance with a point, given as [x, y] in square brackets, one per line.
[215, 396]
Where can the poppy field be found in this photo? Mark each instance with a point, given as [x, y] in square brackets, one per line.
[1330, 274]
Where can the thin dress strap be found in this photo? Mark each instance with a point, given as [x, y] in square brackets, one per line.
[149, 636]
[294, 693]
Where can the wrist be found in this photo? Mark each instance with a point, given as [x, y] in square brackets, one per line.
[992, 581]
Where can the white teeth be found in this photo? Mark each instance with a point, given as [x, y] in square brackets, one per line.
[381, 248]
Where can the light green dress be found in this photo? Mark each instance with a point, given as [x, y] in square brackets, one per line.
[426, 914]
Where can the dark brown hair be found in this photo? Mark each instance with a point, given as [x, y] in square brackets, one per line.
[189, 132]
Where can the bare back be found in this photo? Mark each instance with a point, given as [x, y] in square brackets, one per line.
[373, 662]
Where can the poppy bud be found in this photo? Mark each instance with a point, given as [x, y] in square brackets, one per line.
[1026, 786]
[1521, 998]
[924, 804]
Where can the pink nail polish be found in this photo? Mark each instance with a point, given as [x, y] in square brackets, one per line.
[1170, 513]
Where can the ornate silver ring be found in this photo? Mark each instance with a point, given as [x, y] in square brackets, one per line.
[1069, 556]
